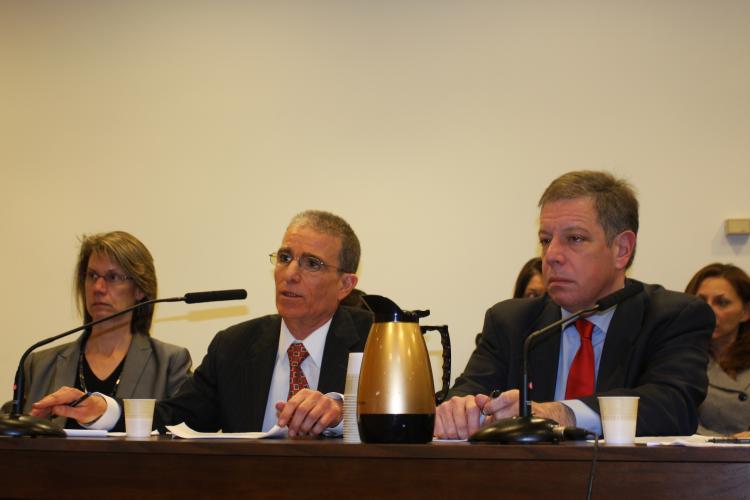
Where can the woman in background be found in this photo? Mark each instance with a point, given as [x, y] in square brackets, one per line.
[117, 357]
[529, 282]
[726, 288]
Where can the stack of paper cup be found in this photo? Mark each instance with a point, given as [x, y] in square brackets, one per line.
[351, 430]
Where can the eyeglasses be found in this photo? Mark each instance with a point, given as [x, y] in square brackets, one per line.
[110, 277]
[307, 263]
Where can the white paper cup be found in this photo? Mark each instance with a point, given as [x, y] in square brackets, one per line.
[619, 416]
[351, 430]
[139, 415]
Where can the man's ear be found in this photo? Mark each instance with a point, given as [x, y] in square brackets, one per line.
[624, 246]
[348, 282]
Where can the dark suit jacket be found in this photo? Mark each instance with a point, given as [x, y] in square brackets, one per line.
[152, 369]
[656, 348]
[230, 388]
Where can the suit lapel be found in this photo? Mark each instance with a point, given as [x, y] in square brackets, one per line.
[256, 374]
[138, 356]
[544, 355]
[66, 369]
[618, 346]
[341, 339]
[66, 372]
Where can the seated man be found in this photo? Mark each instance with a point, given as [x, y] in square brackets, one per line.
[653, 345]
[288, 368]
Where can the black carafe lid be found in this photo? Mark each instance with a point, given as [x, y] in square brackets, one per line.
[386, 311]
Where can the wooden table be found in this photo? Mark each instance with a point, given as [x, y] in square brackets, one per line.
[162, 467]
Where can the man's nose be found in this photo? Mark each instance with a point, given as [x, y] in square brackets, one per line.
[553, 252]
[293, 271]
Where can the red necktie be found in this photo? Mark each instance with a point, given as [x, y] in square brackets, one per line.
[581, 374]
[297, 381]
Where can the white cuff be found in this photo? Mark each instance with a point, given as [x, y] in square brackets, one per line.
[109, 418]
[338, 429]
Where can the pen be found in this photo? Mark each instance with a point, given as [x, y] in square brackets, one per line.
[79, 400]
[494, 394]
[730, 440]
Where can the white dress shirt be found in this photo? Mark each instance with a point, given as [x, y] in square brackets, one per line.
[570, 341]
[315, 345]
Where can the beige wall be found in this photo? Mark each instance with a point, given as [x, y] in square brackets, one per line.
[432, 126]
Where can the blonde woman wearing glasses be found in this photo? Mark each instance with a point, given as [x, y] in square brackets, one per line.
[117, 357]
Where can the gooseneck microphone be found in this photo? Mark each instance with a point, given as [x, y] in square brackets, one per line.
[18, 425]
[215, 296]
[528, 429]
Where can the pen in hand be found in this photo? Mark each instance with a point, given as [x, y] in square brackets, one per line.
[80, 400]
[493, 395]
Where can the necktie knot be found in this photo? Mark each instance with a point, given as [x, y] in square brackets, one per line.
[297, 380]
[585, 328]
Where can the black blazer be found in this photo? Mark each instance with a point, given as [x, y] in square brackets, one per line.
[656, 348]
[229, 390]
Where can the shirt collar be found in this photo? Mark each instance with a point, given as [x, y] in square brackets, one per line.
[314, 343]
[601, 319]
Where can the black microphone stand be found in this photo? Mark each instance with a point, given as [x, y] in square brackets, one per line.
[18, 425]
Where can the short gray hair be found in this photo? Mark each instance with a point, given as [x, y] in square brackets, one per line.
[328, 223]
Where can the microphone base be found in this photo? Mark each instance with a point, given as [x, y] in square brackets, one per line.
[517, 430]
[28, 426]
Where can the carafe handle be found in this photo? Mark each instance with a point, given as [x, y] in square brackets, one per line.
[445, 341]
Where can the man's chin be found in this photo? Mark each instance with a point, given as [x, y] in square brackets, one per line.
[562, 297]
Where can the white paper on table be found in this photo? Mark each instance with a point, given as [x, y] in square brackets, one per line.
[125, 434]
[183, 431]
[85, 433]
[696, 440]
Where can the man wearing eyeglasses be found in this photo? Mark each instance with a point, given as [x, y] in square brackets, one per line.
[288, 368]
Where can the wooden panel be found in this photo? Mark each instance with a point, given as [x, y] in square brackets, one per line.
[118, 468]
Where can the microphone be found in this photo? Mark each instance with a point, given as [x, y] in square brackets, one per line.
[528, 429]
[571, 433]
[216, 296]
[18, 425]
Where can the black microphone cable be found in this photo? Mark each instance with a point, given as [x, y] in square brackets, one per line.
[592, 472]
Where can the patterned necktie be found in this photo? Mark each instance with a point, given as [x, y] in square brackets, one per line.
[581, 374]
[297, 381]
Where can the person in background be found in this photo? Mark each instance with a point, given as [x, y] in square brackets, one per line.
[653, 345]
[529, 282]
[726, 288]
[286, 369]
[117, 357]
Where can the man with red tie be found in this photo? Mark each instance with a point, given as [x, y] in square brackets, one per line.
[653, 345]
[288, 368]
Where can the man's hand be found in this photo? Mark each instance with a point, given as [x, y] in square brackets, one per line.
[558, 412]
[459, 417]
[57, 404]
[503, 406]
[506, 405]
[309, 413]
